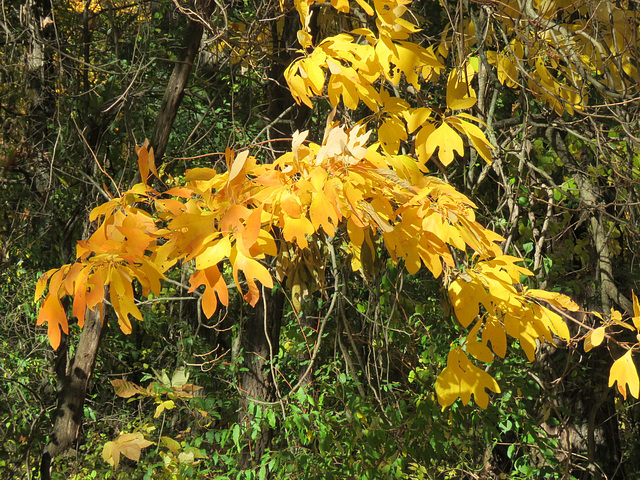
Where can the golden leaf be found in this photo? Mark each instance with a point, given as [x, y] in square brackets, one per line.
[252, 270]
[461, 379]
[460, 95]
[625, 373]
[594, 338]
[636, 312]
[125, 389]
[447, 140]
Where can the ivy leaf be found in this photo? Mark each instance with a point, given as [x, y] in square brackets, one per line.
[625, 373]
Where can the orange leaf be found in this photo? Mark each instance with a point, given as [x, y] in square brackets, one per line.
[146, 161]
[52, 310]
[214, 284]
[53, 313]
[42, 283]
[252, 270]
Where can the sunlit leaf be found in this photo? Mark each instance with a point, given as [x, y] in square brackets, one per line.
[624, 372]
[594, 338]
[461, 379]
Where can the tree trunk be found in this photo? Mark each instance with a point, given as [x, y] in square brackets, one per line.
[260, 345]
[178, 80]
[72, 389]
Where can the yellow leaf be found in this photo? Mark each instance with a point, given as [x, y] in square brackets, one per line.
[459, 94]
[625, 373]
[494, 332]
[554, 298]
[121, 296]
[465, 297]
[42, 283]
[475, 135]
[448, 141]
[237, 166]
[391, 133]
[297, 229]
[297, 85]
[424, 149]
[315, 75]
[366, 7]
[253, 270]
[461, 379]
[416, 117]
[479, 350]
[594, 338]
[341, 5]
[636, 312]
[166, 405]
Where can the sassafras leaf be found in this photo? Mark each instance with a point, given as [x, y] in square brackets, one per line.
[624, 372]
[461, 379]
[252, 270]
[448, 141]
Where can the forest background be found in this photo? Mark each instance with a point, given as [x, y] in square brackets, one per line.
[346, 368]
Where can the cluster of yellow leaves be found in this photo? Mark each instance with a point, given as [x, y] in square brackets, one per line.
[355, 61]
[570, 47]
[493, 284]
[109, 260]
[342, 188]
[624, 371]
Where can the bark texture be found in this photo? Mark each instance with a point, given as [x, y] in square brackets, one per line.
[178, 80]
[260, 345]
[72, 389]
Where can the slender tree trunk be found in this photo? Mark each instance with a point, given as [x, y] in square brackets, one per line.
[178, 80]
[260, 346]
[72, 389]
